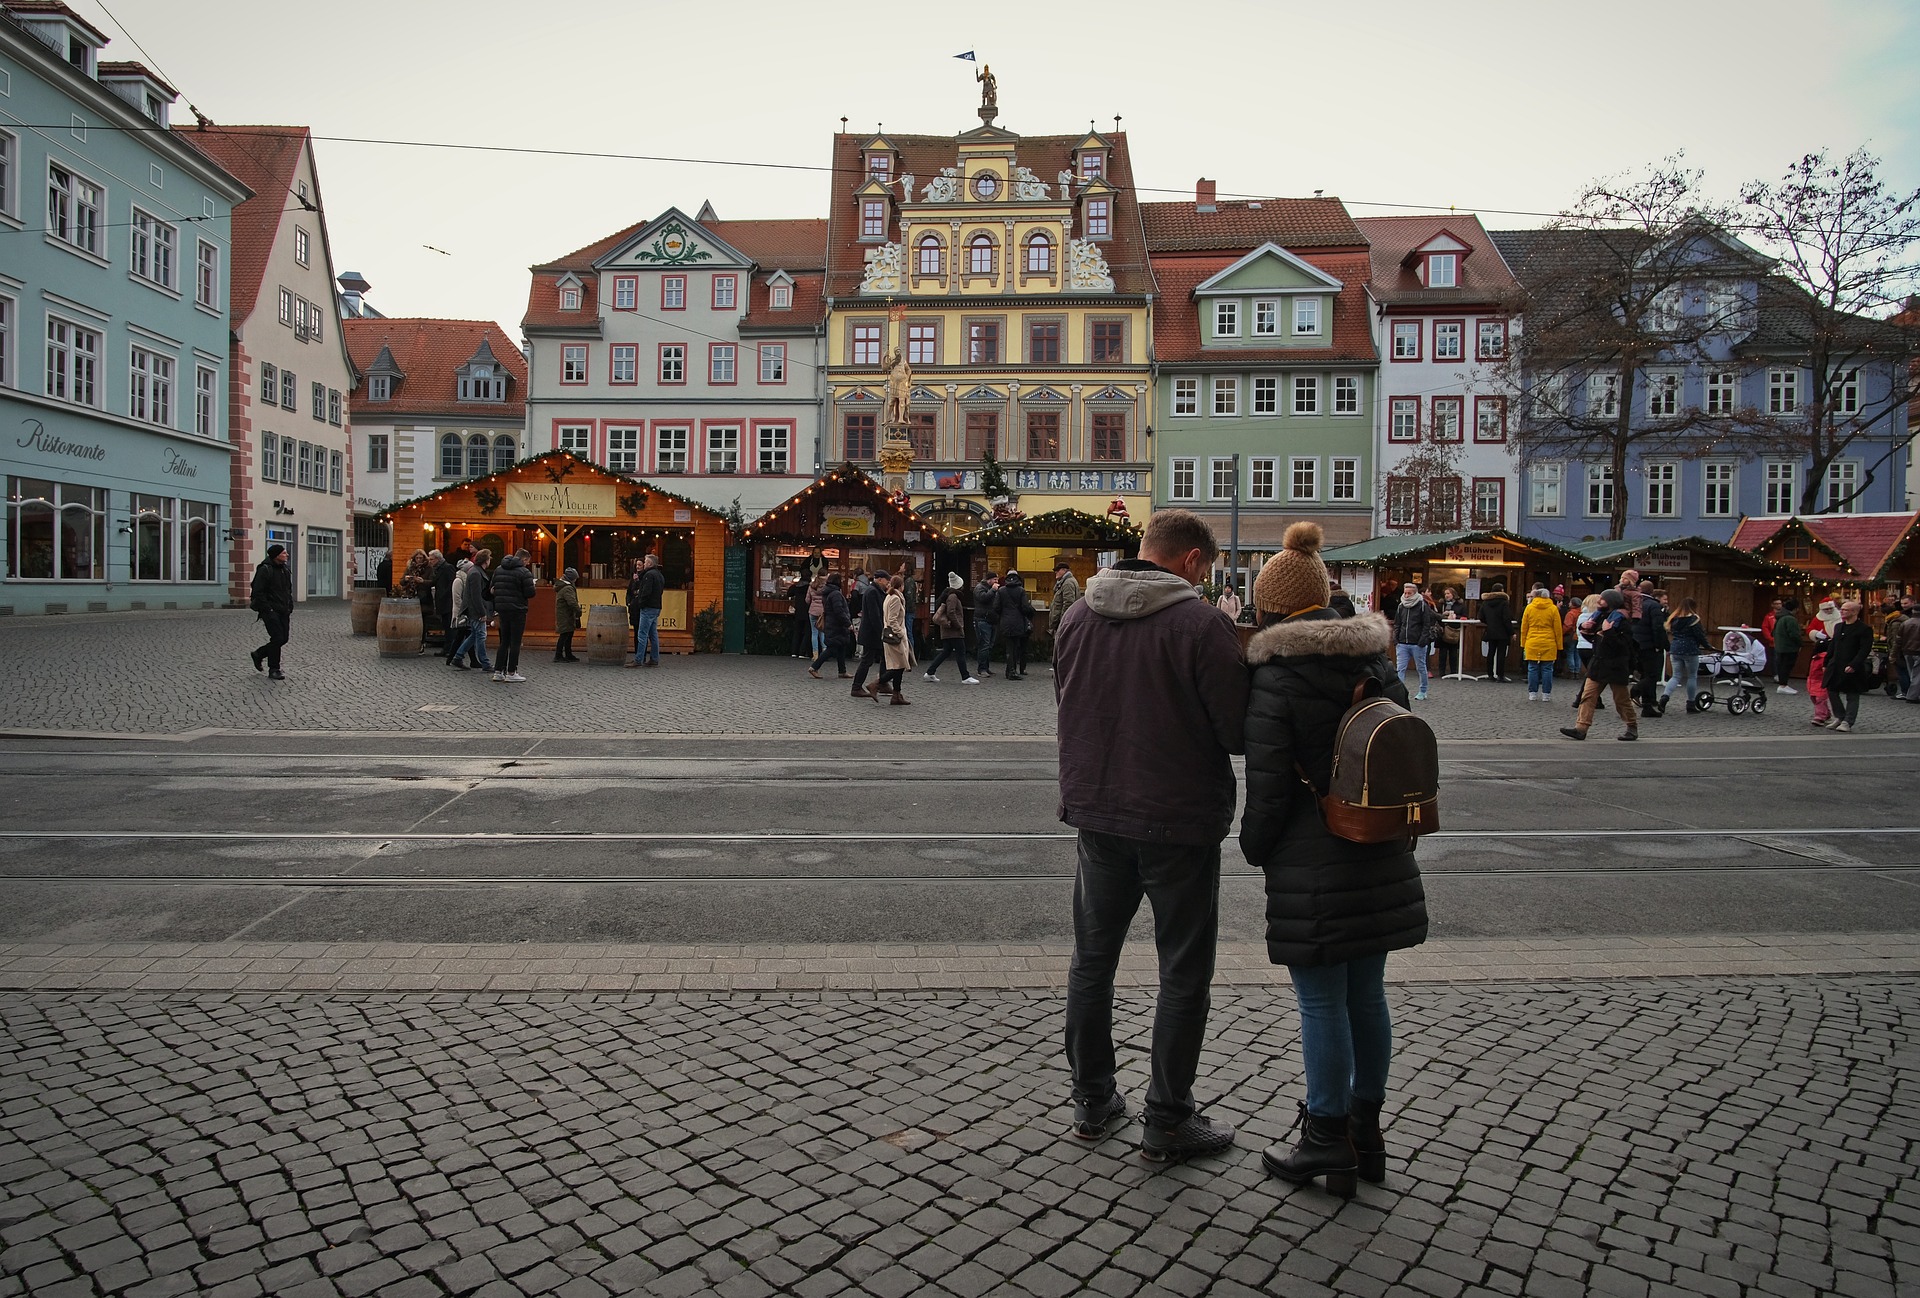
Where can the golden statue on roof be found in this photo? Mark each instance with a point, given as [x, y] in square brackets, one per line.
[989, 93]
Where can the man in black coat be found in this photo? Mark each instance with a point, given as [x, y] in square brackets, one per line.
[272, 598]
[872, 616]
[444, 571]
[1649, 626]
[986, 616]
[644, 594]
[1611, 634]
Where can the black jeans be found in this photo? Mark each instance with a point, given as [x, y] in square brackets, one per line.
[1648, 663]
[950, 648]
[1182, 882]
[1497, 658]
[444, 612]
[870, 657]
[513, 625]
[278, 628]
[1017, 655]
[835, 648]
[562, 646]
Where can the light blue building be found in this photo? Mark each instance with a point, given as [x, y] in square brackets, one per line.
[114, 252]
[1724, 409]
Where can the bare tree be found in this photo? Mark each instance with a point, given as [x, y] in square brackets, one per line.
[1431, 474]
[1846, 249]
[1638, 274]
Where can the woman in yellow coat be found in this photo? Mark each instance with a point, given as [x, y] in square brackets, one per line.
[1540, 635]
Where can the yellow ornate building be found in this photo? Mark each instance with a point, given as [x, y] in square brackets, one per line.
[1011, 272]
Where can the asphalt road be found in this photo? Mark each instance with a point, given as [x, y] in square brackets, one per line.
[275, 837]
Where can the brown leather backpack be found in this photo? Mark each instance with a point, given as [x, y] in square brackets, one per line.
[1386, 772]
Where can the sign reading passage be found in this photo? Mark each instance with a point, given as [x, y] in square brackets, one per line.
[560, 500]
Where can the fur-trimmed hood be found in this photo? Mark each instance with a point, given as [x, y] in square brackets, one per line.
[1315, 636]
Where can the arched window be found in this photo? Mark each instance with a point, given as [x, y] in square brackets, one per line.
[505, 451]
[1039, 254]
[980, 255]
[477, 449]
[450, 460]
[932, 256]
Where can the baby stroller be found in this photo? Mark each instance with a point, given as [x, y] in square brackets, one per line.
[1736, 668]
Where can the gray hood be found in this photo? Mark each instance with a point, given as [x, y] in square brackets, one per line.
[1127, 593]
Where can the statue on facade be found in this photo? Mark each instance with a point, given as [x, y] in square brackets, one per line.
[906, 187]
[1066, 186]
[899, 387]
[1087, 267]
[943, 188]
[1027, 187]
[989, 93]
[883, 269]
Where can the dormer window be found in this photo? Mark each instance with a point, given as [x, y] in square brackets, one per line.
[483, 383]
[782, 297]
[1093, 165]
[880, 166]
[569, 299]
[873, 218]
[380, 387]
[1443, 270]
[1099, 218]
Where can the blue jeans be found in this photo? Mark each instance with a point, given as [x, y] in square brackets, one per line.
[646, 635]
[819, 642]
[1539, 676]
[1346, 1035]
[1570, 661]
[1418, 653]
[1686, 670]
[476, 645]
[983, 633]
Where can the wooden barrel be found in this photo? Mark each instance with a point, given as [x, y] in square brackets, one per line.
[399, 628]
[365, 609]
[609, 634]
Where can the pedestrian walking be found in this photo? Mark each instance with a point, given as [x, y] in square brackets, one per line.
[800, 624]
[1849, 671]
[445, 570]
[566, 615]
[1907, 644]
[1540, 636]
[1583, 621]
[871, 621]
[1414, 624]
[644, 594]
[271, 597]
[1787, 638]
[1334, 908]
[950, 621]
[1820, 630]
[513, 588]
[816, 609]
[1016, 623]
[1496, 630]
[1611, 667]
[1687, 640]
[896, 643]
[986, 617]
[477, 605]
[1066, 593]
[911, 594]
[1152, 699]
[833, 624]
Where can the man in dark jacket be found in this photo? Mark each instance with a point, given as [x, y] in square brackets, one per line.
[1152, 700]
[986, 616]
[1415, 627]
[834, 622]
[872, 616]
[513, 587]
[1612, 666]
[643, 609]
[1648, 625]
[444, 571]
[1786, 645]
[272, 598]
[1849, 666]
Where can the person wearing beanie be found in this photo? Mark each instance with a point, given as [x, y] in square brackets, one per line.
[271, 597]
[950, 620]
[566, 615]
[1611, 668]
[1334, 908]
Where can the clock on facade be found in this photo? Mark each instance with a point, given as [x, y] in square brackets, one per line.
[986, 185]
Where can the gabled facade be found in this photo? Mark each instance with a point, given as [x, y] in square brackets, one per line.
[1443, 302]
[114, 265]
[436, 402]
[1733, 382]
[687, 350]
[1262, 361]
[292, 476]
[1010, 272]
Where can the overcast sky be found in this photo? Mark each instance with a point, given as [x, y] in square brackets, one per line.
[1476, 104]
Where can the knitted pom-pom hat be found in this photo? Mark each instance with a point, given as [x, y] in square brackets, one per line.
[1295, 578]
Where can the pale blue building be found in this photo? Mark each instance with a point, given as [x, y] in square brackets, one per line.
[114, 255]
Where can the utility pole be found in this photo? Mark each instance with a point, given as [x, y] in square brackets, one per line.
[1233, 541]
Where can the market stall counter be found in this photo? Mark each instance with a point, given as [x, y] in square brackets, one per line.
[1033, 547]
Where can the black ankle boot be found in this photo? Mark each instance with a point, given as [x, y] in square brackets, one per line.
[1369, 1147]
[1324, 1150]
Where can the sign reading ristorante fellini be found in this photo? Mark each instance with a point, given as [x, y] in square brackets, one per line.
[560, 500]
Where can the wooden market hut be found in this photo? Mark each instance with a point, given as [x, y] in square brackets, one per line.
[1032, 546]
[569, 512]
[1468, 561]
[1840, 555]
[845, 521]
[1732, 587]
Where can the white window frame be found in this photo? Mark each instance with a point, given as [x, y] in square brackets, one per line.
[1497, 331]
[773, 362]
[573, 363]
[379, 453]
[723, 448]
[1410, 408]
[1718, 478]
[269, 457]
[1452, 332]
[1266, 317]
[1306, 395]
[1226, 396]
[153, 249]
[1186, 397]
[1723, 392]
[1662, 478]
[1436, 426]
[1226, 318]
[1443, 270]
[626, 293]
[1303, 477]
[302, 246]
[1406, 332]
[1343, 479]
[9, 341]
[781, 297]
[1841, 473]
[1546, 489]
[1306, 315]
[722, 364]
[1781, 487]
[286, 306]
[623, 448]
[671, 447]
[1600, 486]
[1263, 478]
[1664, 389]
[206, 400]
[76, 209]
[673, 292]
[1346, 394]
[673, 363]
[1846, 393]
[1216, 466]
[9, 175]
[1182, 474]
[576, 439]
[773, 444]
[569, 299]
[623, 364]
[1603, 396]
[74, 377]
[1403, 501]
[1783, 393]
[725, 292]
[206, 275]
[379, 388]
[1266, 395]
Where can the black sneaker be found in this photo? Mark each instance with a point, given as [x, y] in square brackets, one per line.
[1191, 1139]
[1096, 1119]
[1572, 733]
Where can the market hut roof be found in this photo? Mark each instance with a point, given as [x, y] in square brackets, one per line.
[1055, 525]
[1387, 549]
[1860, 545]
[1617, 551]
[556, 474]
[769, 524]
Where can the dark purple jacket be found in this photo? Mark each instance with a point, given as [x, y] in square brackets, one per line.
[1153, 698]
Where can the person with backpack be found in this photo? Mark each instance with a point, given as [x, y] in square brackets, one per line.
[1335, 908]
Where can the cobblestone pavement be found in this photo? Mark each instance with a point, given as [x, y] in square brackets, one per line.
[1646, 1137]
[172, 672]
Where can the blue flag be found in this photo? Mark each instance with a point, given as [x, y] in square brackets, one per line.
[968, 56]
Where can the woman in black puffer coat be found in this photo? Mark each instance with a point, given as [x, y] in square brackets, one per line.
[1334, 908]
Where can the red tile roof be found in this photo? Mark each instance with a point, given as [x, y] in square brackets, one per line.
[1865, 543]
[1176, 323]
[263, 158]
[1484, 276]
[1246, 224]
[428, 352]
[922, 156]
[809, 303]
